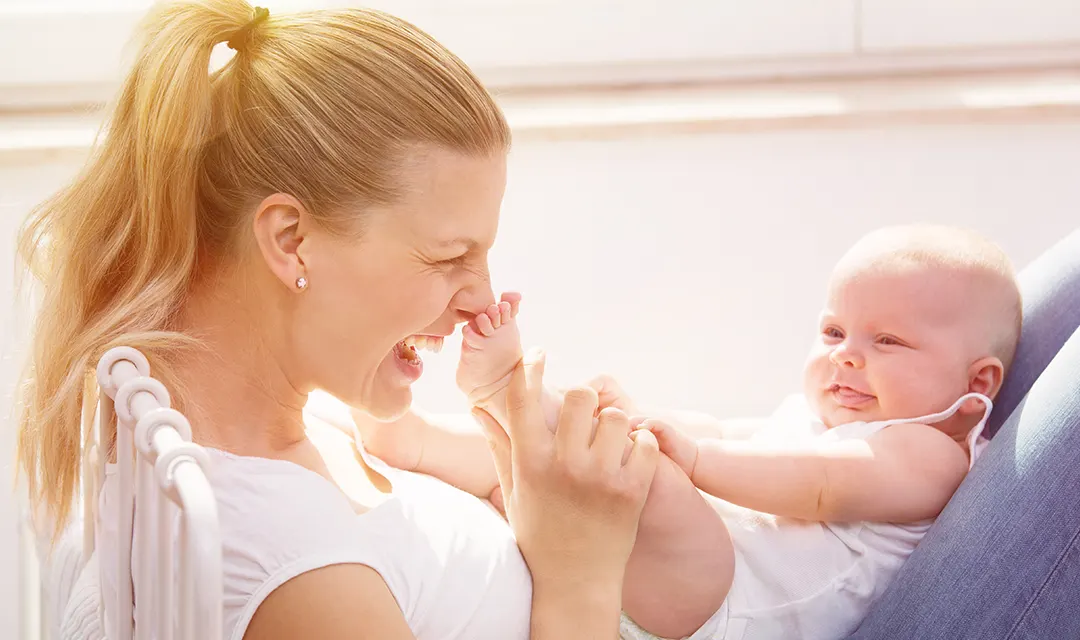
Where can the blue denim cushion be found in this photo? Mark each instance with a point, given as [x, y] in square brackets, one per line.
[1050, 287]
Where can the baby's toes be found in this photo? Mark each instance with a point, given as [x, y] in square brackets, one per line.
[504, 312]
[494, 315]
[514, 298]
[471, 337]
[484, 325]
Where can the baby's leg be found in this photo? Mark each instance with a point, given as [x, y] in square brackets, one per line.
[683, 562]
[681, 567]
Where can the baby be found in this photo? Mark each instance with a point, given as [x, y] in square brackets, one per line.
[813, 510]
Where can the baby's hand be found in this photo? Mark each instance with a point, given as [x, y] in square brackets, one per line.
[681, 448]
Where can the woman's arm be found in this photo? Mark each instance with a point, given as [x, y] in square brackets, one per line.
[351, 602]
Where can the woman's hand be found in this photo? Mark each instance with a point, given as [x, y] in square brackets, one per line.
[611, 394]
[573, 498]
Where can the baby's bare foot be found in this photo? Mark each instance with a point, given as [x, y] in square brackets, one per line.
[490, 348]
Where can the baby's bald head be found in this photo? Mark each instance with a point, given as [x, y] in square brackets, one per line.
[976, 277]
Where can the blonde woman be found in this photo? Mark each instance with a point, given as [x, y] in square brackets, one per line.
[291, 222]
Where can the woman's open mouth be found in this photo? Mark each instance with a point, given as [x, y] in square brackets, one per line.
[407, 356]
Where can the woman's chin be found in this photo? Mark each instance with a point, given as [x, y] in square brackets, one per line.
[387, 395]
[390, 397]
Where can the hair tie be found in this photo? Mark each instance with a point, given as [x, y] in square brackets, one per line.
[242, 37]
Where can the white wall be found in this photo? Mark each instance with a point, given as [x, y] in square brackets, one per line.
[690, 265]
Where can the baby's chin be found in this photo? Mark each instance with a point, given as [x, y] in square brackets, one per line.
[834, 416]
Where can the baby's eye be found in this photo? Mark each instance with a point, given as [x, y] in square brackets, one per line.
[833, 332]
[889, 341]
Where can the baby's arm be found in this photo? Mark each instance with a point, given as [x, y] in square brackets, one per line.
[696, 424]
[450, 447]
[903, 473]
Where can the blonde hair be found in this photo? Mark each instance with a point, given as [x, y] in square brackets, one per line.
[961, 251]
[323, 105]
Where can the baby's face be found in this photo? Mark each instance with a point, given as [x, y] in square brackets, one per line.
[889, 345]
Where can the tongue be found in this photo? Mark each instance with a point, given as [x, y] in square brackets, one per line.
[407, 353]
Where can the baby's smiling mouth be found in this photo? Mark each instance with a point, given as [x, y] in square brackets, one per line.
[847, 397]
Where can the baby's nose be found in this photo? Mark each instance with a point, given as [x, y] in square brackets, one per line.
[844, 356]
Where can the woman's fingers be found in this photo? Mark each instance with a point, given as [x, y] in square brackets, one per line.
[641, 465]
[525, 419]
[611, 394]
[573, 432]
[500, 449]
[612, 438]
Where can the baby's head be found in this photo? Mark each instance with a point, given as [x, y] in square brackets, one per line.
[916, 317]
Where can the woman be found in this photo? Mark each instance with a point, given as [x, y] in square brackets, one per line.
[284, 224]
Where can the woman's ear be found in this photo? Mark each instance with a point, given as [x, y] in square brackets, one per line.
[279, 232]
[984, 376]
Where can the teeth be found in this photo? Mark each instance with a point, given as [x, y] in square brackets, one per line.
[425, 343]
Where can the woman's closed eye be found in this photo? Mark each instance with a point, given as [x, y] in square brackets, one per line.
[469, 262]
[458, 261]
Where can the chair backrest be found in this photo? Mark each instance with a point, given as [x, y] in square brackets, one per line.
[161, 483]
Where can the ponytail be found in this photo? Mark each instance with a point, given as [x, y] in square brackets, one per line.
[115, 250]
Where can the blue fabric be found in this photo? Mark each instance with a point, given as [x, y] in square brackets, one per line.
[1050, 287]
[1003, 559]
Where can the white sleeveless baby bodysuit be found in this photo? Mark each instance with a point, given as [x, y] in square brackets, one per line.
[450, 561]
[801, 580]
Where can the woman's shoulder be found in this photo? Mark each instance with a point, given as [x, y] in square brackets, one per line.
[274, 513]
[278, 521]
[253, 493]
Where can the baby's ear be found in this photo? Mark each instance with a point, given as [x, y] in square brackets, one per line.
[985, 376]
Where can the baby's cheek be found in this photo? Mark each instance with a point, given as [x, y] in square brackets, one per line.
[909, 393]
[815, 375]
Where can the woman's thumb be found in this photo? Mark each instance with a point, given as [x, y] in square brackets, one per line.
[641, 464]
[500, 448]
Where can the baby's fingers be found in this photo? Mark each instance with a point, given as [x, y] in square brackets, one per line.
[662, 431]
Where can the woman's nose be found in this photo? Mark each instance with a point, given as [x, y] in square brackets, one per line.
[472, 299]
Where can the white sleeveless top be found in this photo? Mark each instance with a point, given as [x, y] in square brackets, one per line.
[816, 580]
[450, 561]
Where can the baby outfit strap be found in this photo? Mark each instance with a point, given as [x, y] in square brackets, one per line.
[934, 418]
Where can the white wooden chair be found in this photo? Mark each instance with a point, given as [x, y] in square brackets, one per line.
[164, 495]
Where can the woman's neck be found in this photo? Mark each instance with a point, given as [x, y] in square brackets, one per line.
[235, 393]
